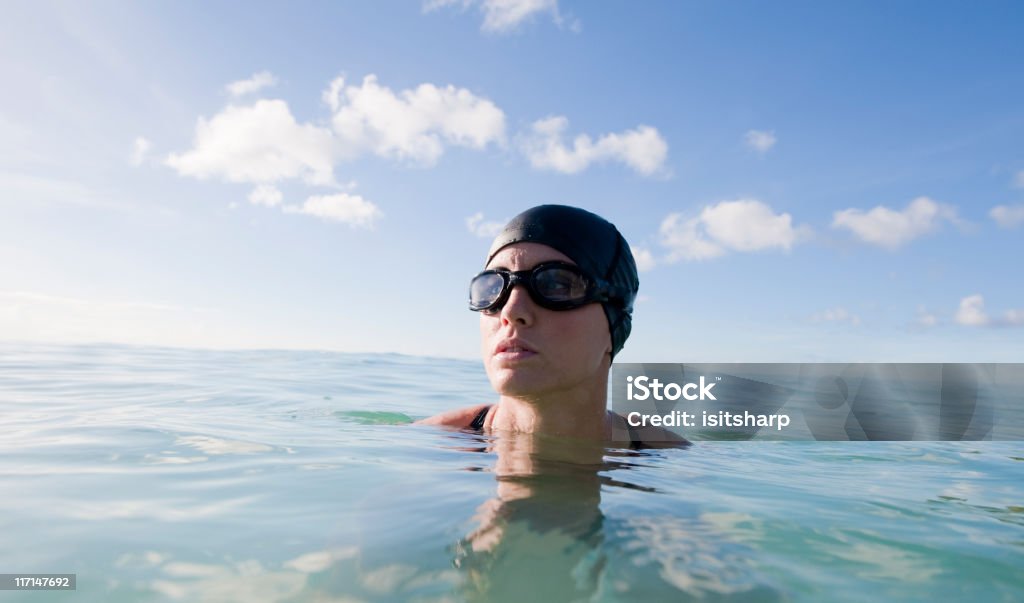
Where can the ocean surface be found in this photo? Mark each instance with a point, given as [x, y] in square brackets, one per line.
[159, 474]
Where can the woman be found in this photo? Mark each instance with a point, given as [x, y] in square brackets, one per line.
[555, 303]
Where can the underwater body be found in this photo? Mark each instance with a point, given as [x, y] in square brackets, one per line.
[160, 474]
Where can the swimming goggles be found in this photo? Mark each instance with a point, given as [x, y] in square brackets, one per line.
[551, 285]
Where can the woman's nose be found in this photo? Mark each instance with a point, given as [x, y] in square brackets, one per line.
[518, 308]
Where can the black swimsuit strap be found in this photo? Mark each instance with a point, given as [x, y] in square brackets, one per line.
[478, 422]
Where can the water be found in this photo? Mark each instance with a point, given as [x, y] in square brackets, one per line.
[181, 475]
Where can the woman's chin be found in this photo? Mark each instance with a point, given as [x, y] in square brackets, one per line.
[518, 381]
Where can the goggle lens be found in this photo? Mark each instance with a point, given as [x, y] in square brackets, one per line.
[559, 284]
[485, 289]
[556, 286]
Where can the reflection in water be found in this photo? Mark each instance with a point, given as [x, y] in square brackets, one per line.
[545, 535]
[543, 532]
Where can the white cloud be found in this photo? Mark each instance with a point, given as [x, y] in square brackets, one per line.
[748, 225]
[503, 16]
[341, 207]
[644, 259]
[760, 140]
[257, 82]
[413, 124]
[642, 148]
[1008, 216]
[140, 148]
[263, 143]
[685, 240]
[265, 194]
[837, 314]
[972, 312]
[506, 15]
[481, 228]
[891, 228]
[260, 143]
[741, 225]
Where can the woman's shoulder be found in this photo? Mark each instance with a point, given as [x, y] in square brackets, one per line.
[460, 417]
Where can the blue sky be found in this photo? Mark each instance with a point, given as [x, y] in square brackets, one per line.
[801, 181]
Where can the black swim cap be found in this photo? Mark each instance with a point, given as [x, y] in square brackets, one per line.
[589, 240]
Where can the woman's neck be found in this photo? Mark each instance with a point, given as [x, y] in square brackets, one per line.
[578, 413]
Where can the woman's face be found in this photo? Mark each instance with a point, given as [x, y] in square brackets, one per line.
[531, 351]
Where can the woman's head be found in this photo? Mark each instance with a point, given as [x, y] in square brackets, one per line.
[590, 242]
[561, 319]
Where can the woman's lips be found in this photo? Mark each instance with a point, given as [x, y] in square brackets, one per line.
[510, 351]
